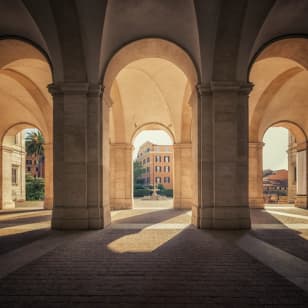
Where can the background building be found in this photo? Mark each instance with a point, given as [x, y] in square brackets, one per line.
[35, 166]
[13, 169]
[157, 160]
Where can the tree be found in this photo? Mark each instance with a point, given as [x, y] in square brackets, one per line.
[34, 188]
[138, 171]
[35, 145]
[267, 172]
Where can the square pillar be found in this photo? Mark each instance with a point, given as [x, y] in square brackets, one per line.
[222, 114]
[291, 169]
[301, 199]
[256, 199]
[78, 163]
[48, 152]
[6, 190]
[182, 176]
[121, 185]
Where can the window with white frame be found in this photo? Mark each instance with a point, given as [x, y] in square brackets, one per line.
[166, 159]
[14, 175]
[167, 168]
[158, 168]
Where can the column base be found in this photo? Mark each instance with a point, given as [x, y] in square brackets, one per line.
[72, 218]
[256, 203]
[121, 204]
[182, 204]
[48, 203]
[8, 205]
[301, 201]
[221, 218]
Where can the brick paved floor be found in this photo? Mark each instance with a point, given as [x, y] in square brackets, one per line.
[163, 263]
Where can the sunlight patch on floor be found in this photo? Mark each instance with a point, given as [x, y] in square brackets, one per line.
[136, 243]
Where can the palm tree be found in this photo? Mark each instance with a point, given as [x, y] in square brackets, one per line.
[35, 145]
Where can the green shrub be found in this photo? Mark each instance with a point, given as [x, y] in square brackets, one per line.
[166, 192]
[142, 192]
[35, 188]
[138, 186]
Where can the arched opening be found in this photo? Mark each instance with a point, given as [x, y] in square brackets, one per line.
[23, 168]
[275, 167]
[153, 169]
[150, 84]
[279, 99]
[25, 103]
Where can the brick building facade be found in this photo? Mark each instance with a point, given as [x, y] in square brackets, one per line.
[157, 160]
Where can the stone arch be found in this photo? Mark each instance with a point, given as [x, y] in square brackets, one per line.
[279, 72]
[295, 129]
[152, 126]
[149, 48]
[5, 157]
[22, 48]
[25, 72]
[292, 47]
[171, 55]
[297, 161]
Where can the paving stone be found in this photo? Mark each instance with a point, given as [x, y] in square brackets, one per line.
[152, 268]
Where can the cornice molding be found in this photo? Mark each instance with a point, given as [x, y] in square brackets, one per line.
[75, 88]
[209, 88]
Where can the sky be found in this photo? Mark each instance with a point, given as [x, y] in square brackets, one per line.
[275, 156]
[274, 150]
[155, 136]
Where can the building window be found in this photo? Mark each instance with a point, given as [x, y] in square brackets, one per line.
[158, 168]
[167, 168]
[166, 159]
[167, 179]
[14, 175]
[148, 169]
[148, 159]
[29, 169]
[157, 158]
[157, 179]
[144, 161]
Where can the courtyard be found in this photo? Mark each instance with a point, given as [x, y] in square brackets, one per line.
[153, 255]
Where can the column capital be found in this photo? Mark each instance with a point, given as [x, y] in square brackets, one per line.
[259, 145]
[127, 146]
[185, 145]
[301, 146]
[211, 87]
[75, 88]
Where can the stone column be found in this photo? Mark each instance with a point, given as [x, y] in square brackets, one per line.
[256, 199]
[291, 169]
[78, 162]
[301, 199]
[6, 178]
[182, 176]
[121, 186]
[1, 178]
[222, 111]
[48, 152]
